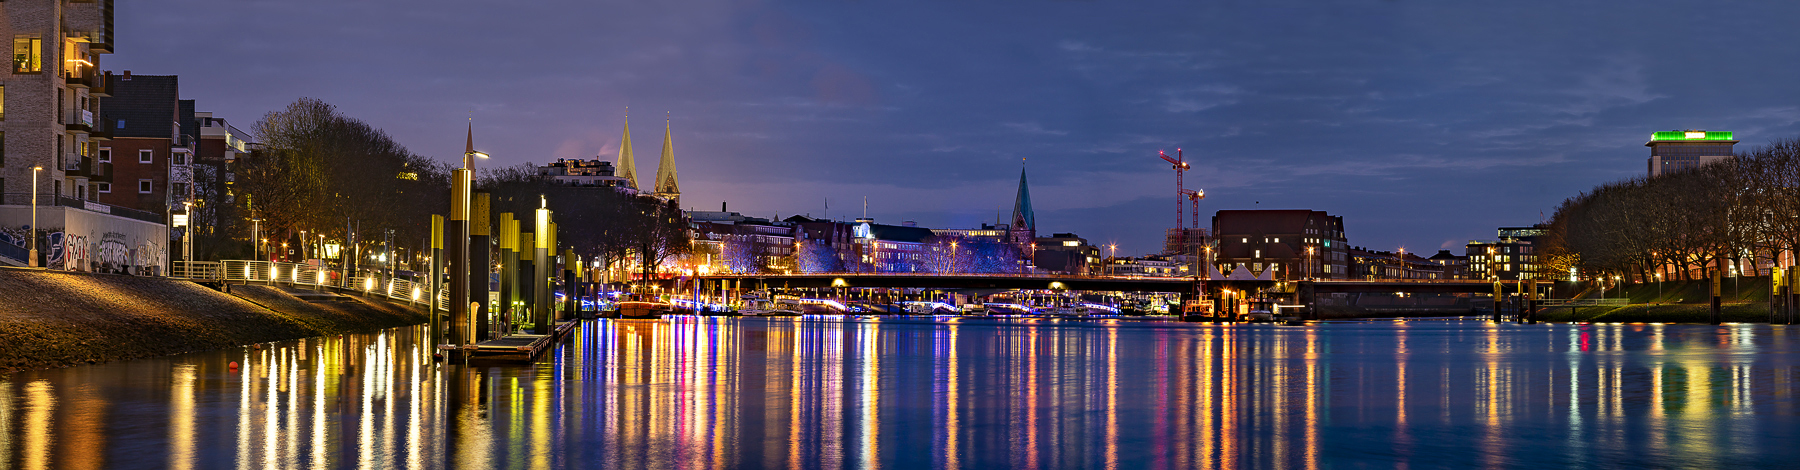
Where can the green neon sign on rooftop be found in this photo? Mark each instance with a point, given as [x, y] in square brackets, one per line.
[1690, 135]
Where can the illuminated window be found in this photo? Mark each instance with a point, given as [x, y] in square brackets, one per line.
[2, 102]
[27, 57]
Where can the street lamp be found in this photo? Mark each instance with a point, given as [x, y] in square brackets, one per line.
[1309, 263]
[1402, 262]
[34, 223]
[187, 234]
[1113, 258]
[255, 235]
[952, 266]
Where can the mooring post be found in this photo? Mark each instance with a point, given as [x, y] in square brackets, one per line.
[481, 264]
[1717, 277]
[1499, 294]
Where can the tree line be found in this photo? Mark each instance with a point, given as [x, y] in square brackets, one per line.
[333, 175]
[1742, 211]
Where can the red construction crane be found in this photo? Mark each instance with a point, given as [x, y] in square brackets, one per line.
[1180, 190]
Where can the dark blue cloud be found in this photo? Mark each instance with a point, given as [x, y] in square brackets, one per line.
[1425, 124]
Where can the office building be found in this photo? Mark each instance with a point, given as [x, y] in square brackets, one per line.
[1685, 150]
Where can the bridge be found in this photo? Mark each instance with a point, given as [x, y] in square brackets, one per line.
[1085, 283]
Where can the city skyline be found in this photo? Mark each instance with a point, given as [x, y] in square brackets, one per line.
[1425, 126]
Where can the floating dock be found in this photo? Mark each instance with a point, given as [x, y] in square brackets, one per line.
[516, 347]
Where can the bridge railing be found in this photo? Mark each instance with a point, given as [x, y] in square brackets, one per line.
[371, 283]
[1583, 302]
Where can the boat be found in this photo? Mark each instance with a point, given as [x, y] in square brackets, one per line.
[1261, 311]
[975, 310]
[643, 310]
[764, 308]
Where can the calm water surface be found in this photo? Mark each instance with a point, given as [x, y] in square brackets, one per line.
[945, 393]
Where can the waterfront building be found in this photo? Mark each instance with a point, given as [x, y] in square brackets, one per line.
[1684, 150]
[595, 173]
[1287, 244]
[150, 156]
[993, 232]
[1509, 258]
[1452, 266]
[49, 98]
[895, 248]
[1068, 254]
[1148, 266]
[732, 242]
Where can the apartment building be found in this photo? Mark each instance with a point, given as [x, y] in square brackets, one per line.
[48, 98]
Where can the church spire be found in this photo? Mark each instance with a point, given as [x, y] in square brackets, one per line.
[1024, 222]
[666, 185]
[627, 168]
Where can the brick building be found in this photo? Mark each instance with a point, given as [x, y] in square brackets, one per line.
[48, 97]
[151, 158]
[1293, 244]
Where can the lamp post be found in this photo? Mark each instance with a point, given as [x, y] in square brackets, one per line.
[1309, 263]
[256, 238]
[34, 223]
[187, 236]
[1402, 263]
[1112, 258]
[952, 267]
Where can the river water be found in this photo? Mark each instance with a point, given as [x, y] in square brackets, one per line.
[943, 393]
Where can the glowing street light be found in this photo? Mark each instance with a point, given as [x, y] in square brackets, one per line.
[34, 222]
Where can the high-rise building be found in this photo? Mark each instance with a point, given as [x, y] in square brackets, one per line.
[47, 97]
[1682, 150]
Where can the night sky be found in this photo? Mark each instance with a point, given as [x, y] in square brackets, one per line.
[1423, 123]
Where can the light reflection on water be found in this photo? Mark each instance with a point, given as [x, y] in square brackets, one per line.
[947, 393]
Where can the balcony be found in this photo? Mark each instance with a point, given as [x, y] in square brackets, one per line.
[88, 167]
[82, 77]
[83, 122]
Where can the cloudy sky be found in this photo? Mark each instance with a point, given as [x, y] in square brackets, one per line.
[1423, 123]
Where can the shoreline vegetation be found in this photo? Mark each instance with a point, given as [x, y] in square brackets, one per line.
[54, 319]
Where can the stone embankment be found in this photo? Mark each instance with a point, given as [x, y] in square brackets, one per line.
[54, 319]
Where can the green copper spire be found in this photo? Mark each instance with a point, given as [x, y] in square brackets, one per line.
[1024, 222]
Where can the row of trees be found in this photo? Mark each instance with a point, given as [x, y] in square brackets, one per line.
[336, 176]
[329, 174]
[1735, 212]
[598, 223]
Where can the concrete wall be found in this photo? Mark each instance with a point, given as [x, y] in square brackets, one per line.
[90, 238]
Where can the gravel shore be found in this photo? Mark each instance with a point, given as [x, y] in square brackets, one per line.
[51, 319]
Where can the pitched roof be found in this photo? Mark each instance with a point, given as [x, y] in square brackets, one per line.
[148, 105]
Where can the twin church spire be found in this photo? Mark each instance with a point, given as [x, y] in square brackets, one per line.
[666, 184]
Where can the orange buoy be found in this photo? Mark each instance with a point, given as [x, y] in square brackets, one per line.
[234, 364]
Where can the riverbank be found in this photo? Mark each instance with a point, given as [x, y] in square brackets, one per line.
[1738, 312]
[51, 319]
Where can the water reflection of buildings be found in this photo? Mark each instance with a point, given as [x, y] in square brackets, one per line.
[711, 393]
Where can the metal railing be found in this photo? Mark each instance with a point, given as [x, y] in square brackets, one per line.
[306, 275]
[1582, 302]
